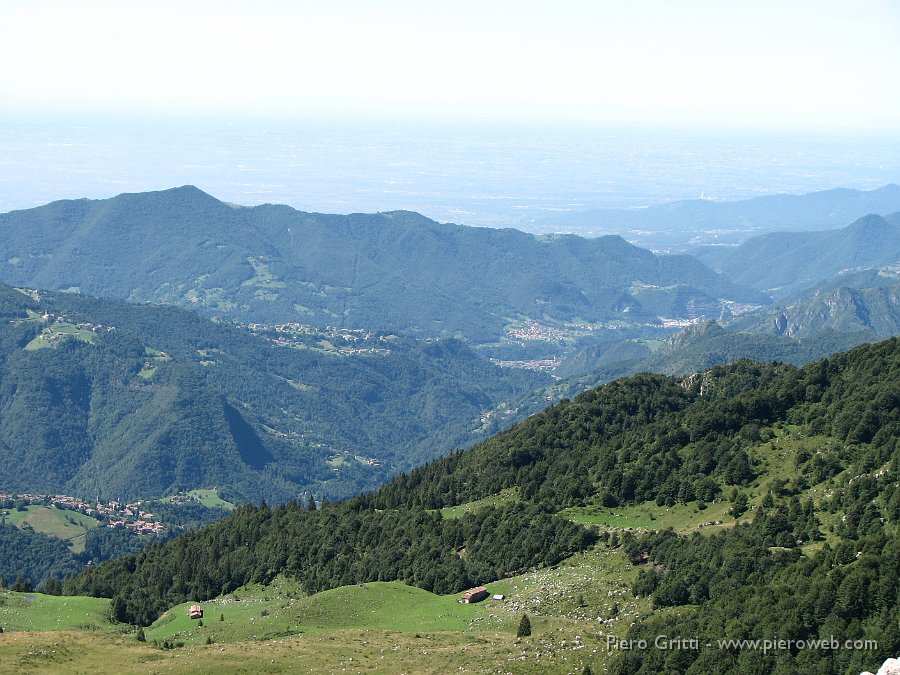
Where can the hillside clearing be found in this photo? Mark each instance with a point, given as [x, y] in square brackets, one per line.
[71, 526]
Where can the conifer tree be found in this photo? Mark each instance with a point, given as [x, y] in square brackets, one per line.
[524, 627]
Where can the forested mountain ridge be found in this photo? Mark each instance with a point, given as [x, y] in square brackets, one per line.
[785, 263]
[102, 397]
[77, 416]
[637, 438]
[695, 348]
[710, 437]
[388, 271]
[740, 433]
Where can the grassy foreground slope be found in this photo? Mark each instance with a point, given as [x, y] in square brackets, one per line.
[378, 627]
[40, 612]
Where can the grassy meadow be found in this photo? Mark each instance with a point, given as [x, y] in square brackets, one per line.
[70, 526]
[377, 627]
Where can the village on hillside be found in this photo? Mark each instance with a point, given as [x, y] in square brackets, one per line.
[343, 341]
[120, 515]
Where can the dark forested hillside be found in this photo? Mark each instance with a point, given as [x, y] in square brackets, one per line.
[387, 271]
[77, 416]
[816, 558]
[101, 397]
[654, 437]
[33, 558]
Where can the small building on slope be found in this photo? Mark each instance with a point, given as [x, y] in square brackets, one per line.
[474, 595]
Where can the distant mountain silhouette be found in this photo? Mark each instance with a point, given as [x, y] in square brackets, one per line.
[786, 262]
[821, 210]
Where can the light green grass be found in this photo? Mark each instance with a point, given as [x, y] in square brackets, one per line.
[214, 297]
[68, 525]
[55, 333]
[583, 590]
[31, 293]
[503, 497]
[209, 498]
[649, 516]
[39, 612]
[384, 627]
[779, 454]
[264, 612]
[345, 651]
[156, 354]
[586, 596]
[38, 343]
[262, 275]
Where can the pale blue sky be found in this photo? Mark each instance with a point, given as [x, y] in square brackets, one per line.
[794, 64]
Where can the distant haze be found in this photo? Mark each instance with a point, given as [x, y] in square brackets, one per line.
[512, 175]
[495, 113]
[801, 64]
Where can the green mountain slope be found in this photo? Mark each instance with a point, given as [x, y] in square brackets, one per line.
[786, 262]
[388, 271]
[860, 300]
[608, 440]
[76, 416]
[105, 397]
[805, 458]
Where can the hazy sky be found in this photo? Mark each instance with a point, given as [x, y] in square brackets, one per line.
[747, 63]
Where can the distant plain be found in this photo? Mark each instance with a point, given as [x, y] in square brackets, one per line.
[518, 176]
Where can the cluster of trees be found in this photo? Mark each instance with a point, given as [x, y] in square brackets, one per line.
[185, 515]
[340, 544]
[105, 543]
[33, 558]
[693, 569]
[732, 586]
[752, 583]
